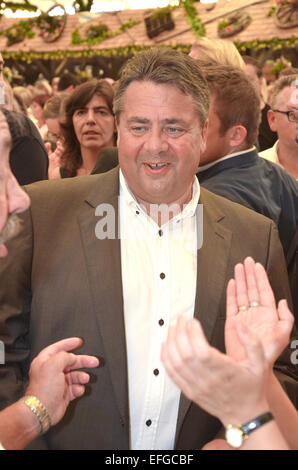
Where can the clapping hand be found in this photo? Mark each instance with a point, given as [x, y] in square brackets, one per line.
[250, 301]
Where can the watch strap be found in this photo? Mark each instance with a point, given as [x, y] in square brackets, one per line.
[255, 423]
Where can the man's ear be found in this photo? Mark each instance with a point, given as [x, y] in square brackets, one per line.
[204, 133]
[271, 120]
[237, 135]
[117, 130]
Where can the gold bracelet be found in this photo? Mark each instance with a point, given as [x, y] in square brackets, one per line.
[39, 410]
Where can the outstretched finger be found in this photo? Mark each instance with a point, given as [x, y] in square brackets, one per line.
[67, 344]
[83, 361]
[241, 287]
[231, 302]
[252, 287]
[77, 377]
[76, 391]
[266, 294]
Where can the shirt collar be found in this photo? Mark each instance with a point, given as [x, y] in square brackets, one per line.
[231, 155]
[188, 210]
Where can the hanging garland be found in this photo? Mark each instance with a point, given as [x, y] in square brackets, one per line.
[191, 14]
[274, 44]
[29, 57]
[98, 33]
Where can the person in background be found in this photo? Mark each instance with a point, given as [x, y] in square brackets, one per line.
[43, 87]
[52, 113]
[25, 95]
[217, 51]
[246, 396]
[87, 125]
[54, 84]
[37, 106]
[283, 119]
[67, 83]
[253, 69]
[230, 165]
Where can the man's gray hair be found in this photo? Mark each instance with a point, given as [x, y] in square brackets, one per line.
[165, 66]
[280, 84]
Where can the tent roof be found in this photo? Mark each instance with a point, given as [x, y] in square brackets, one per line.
[262, 27]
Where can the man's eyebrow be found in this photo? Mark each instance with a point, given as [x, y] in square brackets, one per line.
[139, 120]
[165, 121]
[181, 122]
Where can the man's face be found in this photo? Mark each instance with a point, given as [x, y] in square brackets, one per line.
[287, 131]
[159, 140]
[217, 145]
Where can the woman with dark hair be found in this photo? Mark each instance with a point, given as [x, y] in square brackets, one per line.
[87, 126]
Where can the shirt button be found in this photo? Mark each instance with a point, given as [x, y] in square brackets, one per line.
[160, 233]
[148, 422]
[137, 212]
[156, 372]
[162, 275]
[161, 322]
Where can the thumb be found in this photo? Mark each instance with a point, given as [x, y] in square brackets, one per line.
[48, 147]
[253, 348]
[285, 314]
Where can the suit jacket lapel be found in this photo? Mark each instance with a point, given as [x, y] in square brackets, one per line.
[212, 263]
[103, 259]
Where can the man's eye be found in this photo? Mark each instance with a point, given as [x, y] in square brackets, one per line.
[79, 112]
[174, 131]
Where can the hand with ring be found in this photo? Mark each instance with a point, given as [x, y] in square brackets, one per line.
[250, 301]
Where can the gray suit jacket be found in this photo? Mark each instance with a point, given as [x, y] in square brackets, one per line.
[60, 280]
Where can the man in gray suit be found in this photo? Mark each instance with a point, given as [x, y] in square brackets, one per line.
[115, 258]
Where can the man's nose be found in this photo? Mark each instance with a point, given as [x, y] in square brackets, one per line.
[156, 142]
[18, 200]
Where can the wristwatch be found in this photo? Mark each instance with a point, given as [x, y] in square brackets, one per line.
[236, 435]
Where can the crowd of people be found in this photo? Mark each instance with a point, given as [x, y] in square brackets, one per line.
[114, 250]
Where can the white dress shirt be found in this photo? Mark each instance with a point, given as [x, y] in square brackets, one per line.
[159, 266]
[271, 154]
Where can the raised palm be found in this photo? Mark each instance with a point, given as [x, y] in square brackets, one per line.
[271, 325]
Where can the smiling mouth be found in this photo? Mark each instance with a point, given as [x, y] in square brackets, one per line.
[156, 166]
